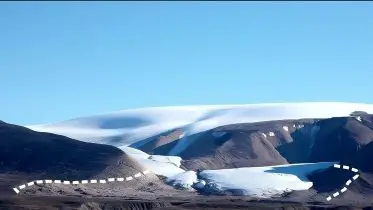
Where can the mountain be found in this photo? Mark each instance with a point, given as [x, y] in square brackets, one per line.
[202, 147]
[341, 139]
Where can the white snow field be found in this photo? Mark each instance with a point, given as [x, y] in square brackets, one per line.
[123, 128]
[167, 166]
[263, 182]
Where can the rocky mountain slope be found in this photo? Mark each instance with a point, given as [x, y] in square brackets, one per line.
[347, 140]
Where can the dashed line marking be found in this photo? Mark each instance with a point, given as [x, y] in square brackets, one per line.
[344, 189]
[354, 170]
[76, 182]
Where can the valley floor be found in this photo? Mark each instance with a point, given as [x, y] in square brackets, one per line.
[164, 203]
[171, 199]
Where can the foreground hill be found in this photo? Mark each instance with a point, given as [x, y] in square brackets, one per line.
[29, 155]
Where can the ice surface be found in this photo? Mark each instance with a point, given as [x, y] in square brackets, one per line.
[263, 181]
[183, 180]
[167, 159]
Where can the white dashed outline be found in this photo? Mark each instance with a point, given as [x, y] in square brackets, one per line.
[75, 182]
[343, 167]
[344, 189]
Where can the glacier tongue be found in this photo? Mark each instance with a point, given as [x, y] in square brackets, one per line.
[262, 182]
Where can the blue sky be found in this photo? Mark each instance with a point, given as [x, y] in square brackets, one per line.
[61, 60]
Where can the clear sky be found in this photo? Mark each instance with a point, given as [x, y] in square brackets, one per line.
[61, 60]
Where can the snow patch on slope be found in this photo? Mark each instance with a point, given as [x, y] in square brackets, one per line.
[126, 127]
[135, 153]
[161, 165]
[167, 159]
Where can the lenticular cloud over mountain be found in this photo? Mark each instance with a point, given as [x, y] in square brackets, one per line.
[126, 127]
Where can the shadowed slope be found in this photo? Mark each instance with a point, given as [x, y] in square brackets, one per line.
[34, 155]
